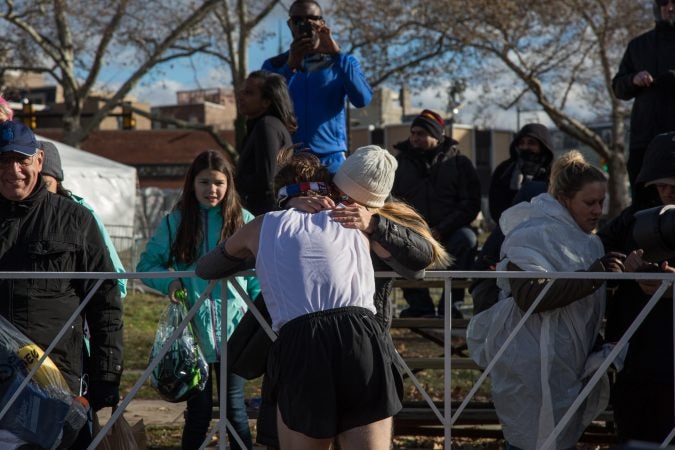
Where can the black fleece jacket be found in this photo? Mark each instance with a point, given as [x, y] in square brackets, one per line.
[441, 184]
[257, 163]
[50, 233]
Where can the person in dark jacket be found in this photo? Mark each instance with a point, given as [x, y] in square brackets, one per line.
[442, 184]
[647, 75]
[45, 232]
[643, 393]
[266, 104]
[531, 157]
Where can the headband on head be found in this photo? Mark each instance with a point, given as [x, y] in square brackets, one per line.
[308, 188]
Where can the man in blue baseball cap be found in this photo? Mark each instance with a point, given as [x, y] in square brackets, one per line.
[43, 232]
[18, 148]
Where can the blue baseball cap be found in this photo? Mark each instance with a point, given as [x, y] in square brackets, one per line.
[17, 137]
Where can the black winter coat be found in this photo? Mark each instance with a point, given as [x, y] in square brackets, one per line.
[441, 184]
[257, 163]
[650, 353]
[50, 233]
[654, 107]
[501, 196]
[406, 247]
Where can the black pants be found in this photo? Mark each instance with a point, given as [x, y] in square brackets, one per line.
[643, 409]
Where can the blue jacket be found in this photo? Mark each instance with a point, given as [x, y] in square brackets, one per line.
[206, 322]
[319, 102]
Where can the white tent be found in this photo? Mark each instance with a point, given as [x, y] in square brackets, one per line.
[108, 186]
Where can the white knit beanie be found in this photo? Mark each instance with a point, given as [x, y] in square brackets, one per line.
[367, 175]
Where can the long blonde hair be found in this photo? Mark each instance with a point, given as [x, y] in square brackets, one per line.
[402, 214]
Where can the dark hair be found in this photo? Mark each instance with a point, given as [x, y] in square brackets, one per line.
[189, 235]
[275, 89]
[60, 190]
[300, 167]
[570, 173]
[304, 2]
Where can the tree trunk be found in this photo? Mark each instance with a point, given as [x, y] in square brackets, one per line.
[618, 183]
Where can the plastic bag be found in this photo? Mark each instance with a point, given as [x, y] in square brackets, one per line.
[122, 436]
[45, 411]
[183, 371]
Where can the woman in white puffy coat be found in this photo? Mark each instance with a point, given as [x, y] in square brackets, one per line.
[547, 364]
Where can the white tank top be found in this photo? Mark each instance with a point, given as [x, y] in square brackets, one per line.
[308, 263]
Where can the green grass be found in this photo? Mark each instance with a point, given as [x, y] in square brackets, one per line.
[141, 316]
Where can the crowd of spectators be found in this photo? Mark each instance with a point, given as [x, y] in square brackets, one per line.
[406, 209]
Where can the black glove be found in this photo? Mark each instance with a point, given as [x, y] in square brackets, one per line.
[102, 394]
[613, 262]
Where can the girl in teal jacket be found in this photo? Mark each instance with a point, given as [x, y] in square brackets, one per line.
[207, 212]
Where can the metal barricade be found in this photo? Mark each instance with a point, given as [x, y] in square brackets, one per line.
[446, 419]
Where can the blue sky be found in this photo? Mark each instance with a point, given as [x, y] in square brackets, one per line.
[200, 72]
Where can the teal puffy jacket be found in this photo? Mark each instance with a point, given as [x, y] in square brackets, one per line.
[206, 322]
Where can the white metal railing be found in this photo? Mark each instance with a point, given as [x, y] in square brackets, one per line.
[447, 419]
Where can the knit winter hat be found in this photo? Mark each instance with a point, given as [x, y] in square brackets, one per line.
[51, 164]
[367, 175]
[431, 122]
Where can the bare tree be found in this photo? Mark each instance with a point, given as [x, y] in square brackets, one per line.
[402, 41]
[559, 54]
[73, 40]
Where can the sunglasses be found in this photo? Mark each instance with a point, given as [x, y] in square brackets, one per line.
[300, 19]
[665, 2]
[11, 160]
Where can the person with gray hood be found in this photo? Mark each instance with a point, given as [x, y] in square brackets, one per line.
[531, 158]
[647, 75]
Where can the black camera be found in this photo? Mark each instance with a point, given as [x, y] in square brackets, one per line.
[654, 232]
[305, 28]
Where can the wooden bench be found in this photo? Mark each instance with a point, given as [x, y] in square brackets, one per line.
[479, 419]
[432, 329]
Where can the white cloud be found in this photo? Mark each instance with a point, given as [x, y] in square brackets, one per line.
[160, 92]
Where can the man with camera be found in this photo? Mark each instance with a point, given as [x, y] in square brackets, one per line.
[319, 78]
[643, 393]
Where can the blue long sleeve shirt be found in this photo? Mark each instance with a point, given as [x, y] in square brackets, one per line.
[319, 100]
